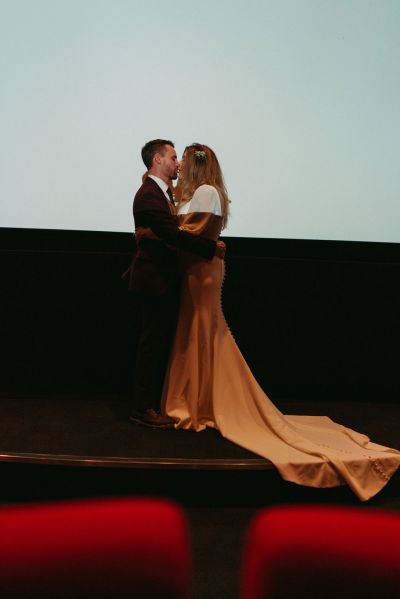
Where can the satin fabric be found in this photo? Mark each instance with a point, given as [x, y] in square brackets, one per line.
[209, 384]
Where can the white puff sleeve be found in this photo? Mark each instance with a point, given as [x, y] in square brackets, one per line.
[205, 199]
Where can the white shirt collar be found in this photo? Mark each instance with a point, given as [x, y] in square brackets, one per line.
[162, 184]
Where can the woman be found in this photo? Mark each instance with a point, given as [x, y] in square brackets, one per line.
[208, 383]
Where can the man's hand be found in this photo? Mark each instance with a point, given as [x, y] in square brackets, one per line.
[220, 249]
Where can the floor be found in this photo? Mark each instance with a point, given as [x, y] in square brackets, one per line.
[38, 433]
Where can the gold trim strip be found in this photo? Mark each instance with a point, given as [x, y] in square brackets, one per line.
[124, 462]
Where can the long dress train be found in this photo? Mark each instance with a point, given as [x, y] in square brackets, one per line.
[209, 384]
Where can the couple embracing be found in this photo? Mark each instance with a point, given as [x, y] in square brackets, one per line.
[189, 371]
[166, 236]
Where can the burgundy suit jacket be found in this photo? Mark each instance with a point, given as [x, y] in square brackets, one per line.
[154, 267]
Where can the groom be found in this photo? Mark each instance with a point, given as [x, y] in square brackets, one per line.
[154, 277]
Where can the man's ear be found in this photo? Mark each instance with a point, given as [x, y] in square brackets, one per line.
[157, 158]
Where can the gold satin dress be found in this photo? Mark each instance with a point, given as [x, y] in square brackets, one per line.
[209, 384]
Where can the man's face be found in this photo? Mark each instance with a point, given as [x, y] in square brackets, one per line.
[169, 163]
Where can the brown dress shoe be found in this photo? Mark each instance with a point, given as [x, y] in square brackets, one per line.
[152, 419]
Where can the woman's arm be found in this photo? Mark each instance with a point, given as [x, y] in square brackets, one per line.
[202, 211]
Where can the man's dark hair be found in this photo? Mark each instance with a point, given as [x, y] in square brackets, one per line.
[153, 147]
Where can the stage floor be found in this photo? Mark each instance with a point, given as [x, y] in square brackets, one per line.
[45, 441]
[95, 431]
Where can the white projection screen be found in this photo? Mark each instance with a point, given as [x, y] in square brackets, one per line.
[300, 99]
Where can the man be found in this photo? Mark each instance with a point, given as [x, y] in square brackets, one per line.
[154, 277]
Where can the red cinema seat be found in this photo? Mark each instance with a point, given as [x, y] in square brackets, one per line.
[322, 553]
[115, 548]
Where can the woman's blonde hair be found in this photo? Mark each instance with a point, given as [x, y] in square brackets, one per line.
[201, 167]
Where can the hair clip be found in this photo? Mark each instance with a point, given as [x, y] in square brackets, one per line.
[200, 154]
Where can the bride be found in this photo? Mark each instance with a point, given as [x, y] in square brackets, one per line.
[209, 384]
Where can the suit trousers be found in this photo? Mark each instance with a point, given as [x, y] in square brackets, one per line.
[159, 319]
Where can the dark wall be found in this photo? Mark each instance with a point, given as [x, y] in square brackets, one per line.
[314, 319]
